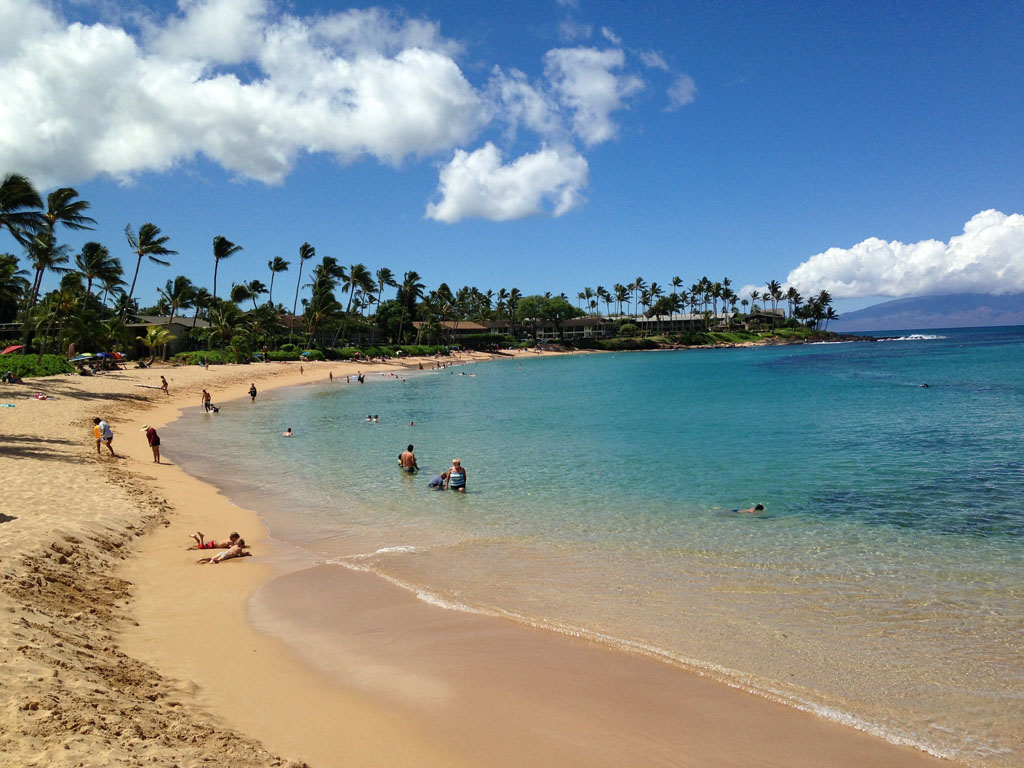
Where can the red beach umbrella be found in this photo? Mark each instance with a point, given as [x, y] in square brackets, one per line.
[13, 348]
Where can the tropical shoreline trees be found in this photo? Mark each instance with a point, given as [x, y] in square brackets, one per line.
[77, 309]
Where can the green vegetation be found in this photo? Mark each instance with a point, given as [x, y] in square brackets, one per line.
[28, 366]
[346, 313]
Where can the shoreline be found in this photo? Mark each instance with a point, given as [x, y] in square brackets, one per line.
[193, 625]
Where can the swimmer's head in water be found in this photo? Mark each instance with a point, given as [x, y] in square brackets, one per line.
[758, 507]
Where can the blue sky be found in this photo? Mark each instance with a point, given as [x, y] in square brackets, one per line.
[873, 149]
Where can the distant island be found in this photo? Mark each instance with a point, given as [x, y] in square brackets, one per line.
[963, 310]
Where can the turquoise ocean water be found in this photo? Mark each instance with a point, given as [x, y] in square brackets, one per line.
[883, 587]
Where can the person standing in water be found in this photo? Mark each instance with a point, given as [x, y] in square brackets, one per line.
[456, 477]
[408, 460]
[252, 391]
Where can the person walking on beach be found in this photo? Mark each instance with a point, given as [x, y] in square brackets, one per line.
[154, 441]
[408, 460]
[456, 477]
[103, 434]
[207, 401]
[163, 385]
[252, 391]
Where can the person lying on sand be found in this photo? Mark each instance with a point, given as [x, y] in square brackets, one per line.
[237, 550]
[231, 540]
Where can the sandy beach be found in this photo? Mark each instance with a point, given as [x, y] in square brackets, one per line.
[119, 650]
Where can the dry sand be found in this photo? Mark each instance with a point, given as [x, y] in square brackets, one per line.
[119, 650]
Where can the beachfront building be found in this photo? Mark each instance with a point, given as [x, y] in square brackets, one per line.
[179, 327]
[764, 318]
[452, 331]
[588, 327]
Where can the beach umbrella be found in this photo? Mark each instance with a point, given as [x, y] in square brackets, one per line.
[81, 358]
[118, 355]
[12, 348]
[104, 355]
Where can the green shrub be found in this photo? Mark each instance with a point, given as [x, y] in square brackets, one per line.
[422, 350]
[627, 330]
[481, 340]
[200, 357]
[287, 347]
[619, 345]
[283, 354]
[30, 366]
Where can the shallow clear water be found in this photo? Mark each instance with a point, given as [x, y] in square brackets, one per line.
[883, 586]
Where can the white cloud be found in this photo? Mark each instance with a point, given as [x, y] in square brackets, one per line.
[525, 104]
[478, 185]
[682, 92]
[584, 82]
[571, 31]
[653, 59]
[610, 36]
[987, 258]
[83, 100]
[222, 31]
[251, 88]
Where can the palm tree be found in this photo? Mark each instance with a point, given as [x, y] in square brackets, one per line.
[773, 292]
[225, 318]
[276, 264]
[13, 286]
[676, 282]
[156, 335]
[201, 301]
[45, 254]
[240, 292]
[149, 243]
[795, 300]
[409, 292]
[63, 209]
[358, 280]
[20, 207]
[222, 249]
[621, 295]
[306, 252]
[256, 289]
[385, 277]
[606, 297]
[636, 286]
[177, 294]
[94, 262]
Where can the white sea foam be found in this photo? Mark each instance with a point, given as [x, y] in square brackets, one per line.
[401, 549]
[916, 337]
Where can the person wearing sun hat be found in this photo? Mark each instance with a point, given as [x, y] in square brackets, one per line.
[154, 441]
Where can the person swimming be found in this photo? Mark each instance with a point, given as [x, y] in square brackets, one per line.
[752, 510]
